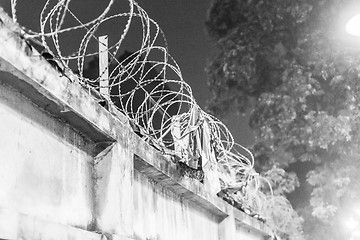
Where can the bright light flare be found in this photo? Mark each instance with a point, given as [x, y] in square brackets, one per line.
[351, 223]
[352, 27]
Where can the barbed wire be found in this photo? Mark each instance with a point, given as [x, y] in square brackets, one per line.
[147, 86]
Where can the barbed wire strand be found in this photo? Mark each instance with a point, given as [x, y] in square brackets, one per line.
[166, 103]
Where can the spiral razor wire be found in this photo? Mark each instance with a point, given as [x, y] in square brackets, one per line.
[147, 86]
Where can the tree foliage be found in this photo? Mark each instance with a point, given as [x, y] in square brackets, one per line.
[289, 63]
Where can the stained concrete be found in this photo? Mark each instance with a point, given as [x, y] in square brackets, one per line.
[114, 191]
[69, 165]
[160, 213]
[46, 170]
[14, 225]
[247, 234]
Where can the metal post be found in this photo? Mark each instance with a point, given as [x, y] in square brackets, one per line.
[104, 66]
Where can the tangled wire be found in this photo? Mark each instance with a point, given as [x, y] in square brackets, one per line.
[147, 86]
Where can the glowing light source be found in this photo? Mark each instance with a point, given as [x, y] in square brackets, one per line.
[351, 223]
[352, 27]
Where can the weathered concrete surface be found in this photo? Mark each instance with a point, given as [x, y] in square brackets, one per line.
[161, 169]
[227, 227]
[243, 221]
[66, 160]
[158, 187]
[114, 191]
[162, 214]
[166, 173]
[45, 169]
[25, 70]
[247, 234]
[20, 226]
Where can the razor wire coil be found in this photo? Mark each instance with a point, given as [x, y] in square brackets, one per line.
[154, 77]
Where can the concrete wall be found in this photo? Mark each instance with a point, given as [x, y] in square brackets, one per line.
[45, 169]
[114, 208]
[162, 214]
[71, 169]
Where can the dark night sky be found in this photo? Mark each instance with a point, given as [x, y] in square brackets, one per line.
[183, 24]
